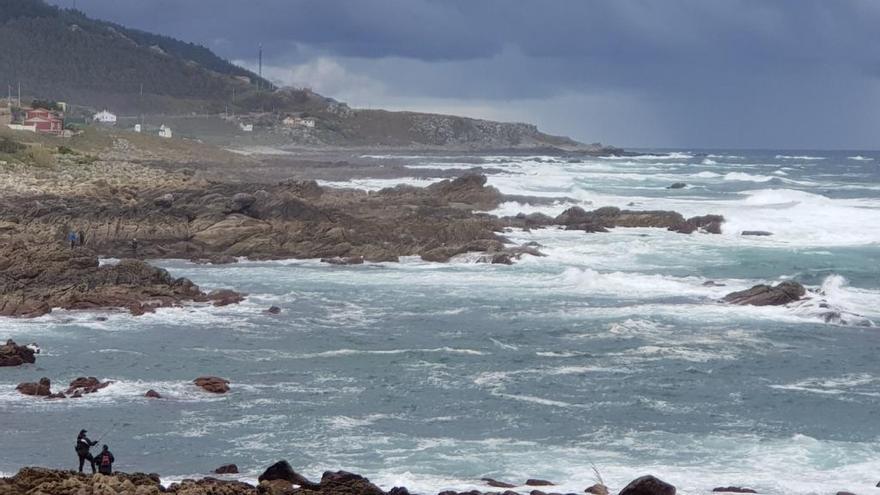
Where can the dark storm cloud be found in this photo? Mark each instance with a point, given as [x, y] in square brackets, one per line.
[728, 72]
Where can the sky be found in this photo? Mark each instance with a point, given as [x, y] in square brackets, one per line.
[778, 74]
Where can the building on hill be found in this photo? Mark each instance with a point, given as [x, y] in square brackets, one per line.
[246, 127]
[105, 117]
[44, 121]
[164, 131]
[291, 121]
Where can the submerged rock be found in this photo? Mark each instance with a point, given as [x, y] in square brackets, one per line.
[648, 485]
[765, 295]
[677, 185]
[227, 469]
[152, 394]
[597, 489]
[497, 484]
[733, 489]
[273, 310]
[12, 354]
[537, 482]
[213, 384]
[756, 232]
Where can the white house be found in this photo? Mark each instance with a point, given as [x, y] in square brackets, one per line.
[246, 127]
[105, 117]
[298, 122]
[137, 128]
[164, 131]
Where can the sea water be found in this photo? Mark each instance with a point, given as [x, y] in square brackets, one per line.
[610, 353]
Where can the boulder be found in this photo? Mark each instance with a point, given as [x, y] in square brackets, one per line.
[648, 485]
[227, 469]
[597, 489]
[733, 489]
[497, 484]
[537, 482]
[225, 297]
[765, 295]
[242, 201]
[41, 388]
[281, 470]
[345, 483]
[677, 185]
[213, 384]
[273, 310]
[152, 394]
[12, 354]
[84, 385]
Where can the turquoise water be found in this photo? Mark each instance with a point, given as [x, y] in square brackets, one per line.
[610, 351]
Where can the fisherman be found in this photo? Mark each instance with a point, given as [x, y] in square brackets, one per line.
[81, 237]
[71, 237]
[105, 461]
[134, 247]
[83, 444]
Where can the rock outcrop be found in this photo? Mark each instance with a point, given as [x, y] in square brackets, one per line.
[602, 219]
[648, 485]
[766, 295]
[227, 469]
[85, 385]
[213, 384]
[41, 388]
[733, 489]
[35, 278]
[12, 354]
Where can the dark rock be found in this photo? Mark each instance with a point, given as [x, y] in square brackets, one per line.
[765, 295]
[100, 318]
[164, 201]
[536, 482]
[273, 310]
[733, 489]
[845, 493]
[227, 469]
[41, 388]
[497, 484]
[225, 297]
[242, 201]
[648, 485]
[344, 260]
[501, 259]
[345, 483]
[756, 232]
[677, 185]
[152, 394]
[12, 354]
[281, 470]
[597, 489]
[537, 492]
[712, 283]
[86, 385]
[398, 490]
[213, 384]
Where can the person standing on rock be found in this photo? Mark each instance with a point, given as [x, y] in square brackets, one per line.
[83, 444]
[105, 461]
[81, 237]
[71, 237]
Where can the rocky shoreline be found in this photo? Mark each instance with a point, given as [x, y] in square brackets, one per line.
[281, 479]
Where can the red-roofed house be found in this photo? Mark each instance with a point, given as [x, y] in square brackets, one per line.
[45, 121]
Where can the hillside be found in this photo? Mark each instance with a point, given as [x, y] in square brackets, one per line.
[61, 54]
[64, 55]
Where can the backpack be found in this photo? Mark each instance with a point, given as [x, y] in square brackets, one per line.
[105, 459]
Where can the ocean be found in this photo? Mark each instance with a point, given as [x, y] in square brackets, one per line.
[612, 352]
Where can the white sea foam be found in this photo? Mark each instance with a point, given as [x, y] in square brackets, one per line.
[799, 157]
[860, 158]
[709, 161]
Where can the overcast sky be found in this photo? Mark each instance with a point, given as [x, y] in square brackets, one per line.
[651, 73]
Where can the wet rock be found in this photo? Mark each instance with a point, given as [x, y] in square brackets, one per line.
[497, 484]
[398, 490]
[213, 384]
[152, 394]
[281, 470]
[242, 201]
[86, 385]
[648, 485]
[501, 259]
[344, 260]
[345, 483]
[756, 232]
[41, 388]
[273, 310]
[100, 318]
[12, 354]
[677, 185]
[597, 489]
[225, 297]
[537, 482]
[712, 283]
[765, 295]
[227, 469]
[733, 489]
[845, 493]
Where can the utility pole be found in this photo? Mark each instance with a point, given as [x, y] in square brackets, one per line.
[19, 94]
[260, 82]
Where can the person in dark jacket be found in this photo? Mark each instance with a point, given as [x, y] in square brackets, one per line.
[81, 237]
[71, 238]
[105, 461]
[83, 444]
